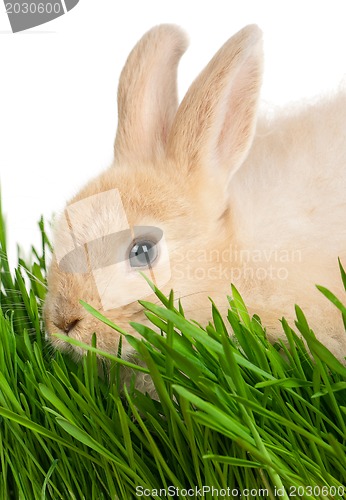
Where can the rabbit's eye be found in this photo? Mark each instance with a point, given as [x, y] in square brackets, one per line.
[143, 254]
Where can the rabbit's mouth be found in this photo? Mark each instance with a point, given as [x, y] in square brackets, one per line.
[80, 331]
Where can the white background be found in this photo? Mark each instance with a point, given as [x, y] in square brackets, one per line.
[58, 83]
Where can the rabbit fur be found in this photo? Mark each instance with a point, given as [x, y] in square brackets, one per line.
[257, 199]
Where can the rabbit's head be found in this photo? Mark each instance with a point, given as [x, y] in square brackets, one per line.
[162, 208]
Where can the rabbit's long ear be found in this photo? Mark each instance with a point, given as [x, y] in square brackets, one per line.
[215, 122]
[147, 95]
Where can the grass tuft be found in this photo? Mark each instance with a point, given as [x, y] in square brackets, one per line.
[233, 412]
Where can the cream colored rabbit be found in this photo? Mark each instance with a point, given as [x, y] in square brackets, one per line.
[206, 194]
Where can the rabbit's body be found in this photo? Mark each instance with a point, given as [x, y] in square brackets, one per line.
[289, 201]
[254, 201]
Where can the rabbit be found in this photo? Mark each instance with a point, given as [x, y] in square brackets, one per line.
[203, 194]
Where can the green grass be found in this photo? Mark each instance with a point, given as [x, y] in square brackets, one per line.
[232, 412]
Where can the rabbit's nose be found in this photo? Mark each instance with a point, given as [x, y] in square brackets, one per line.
[67, 326]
